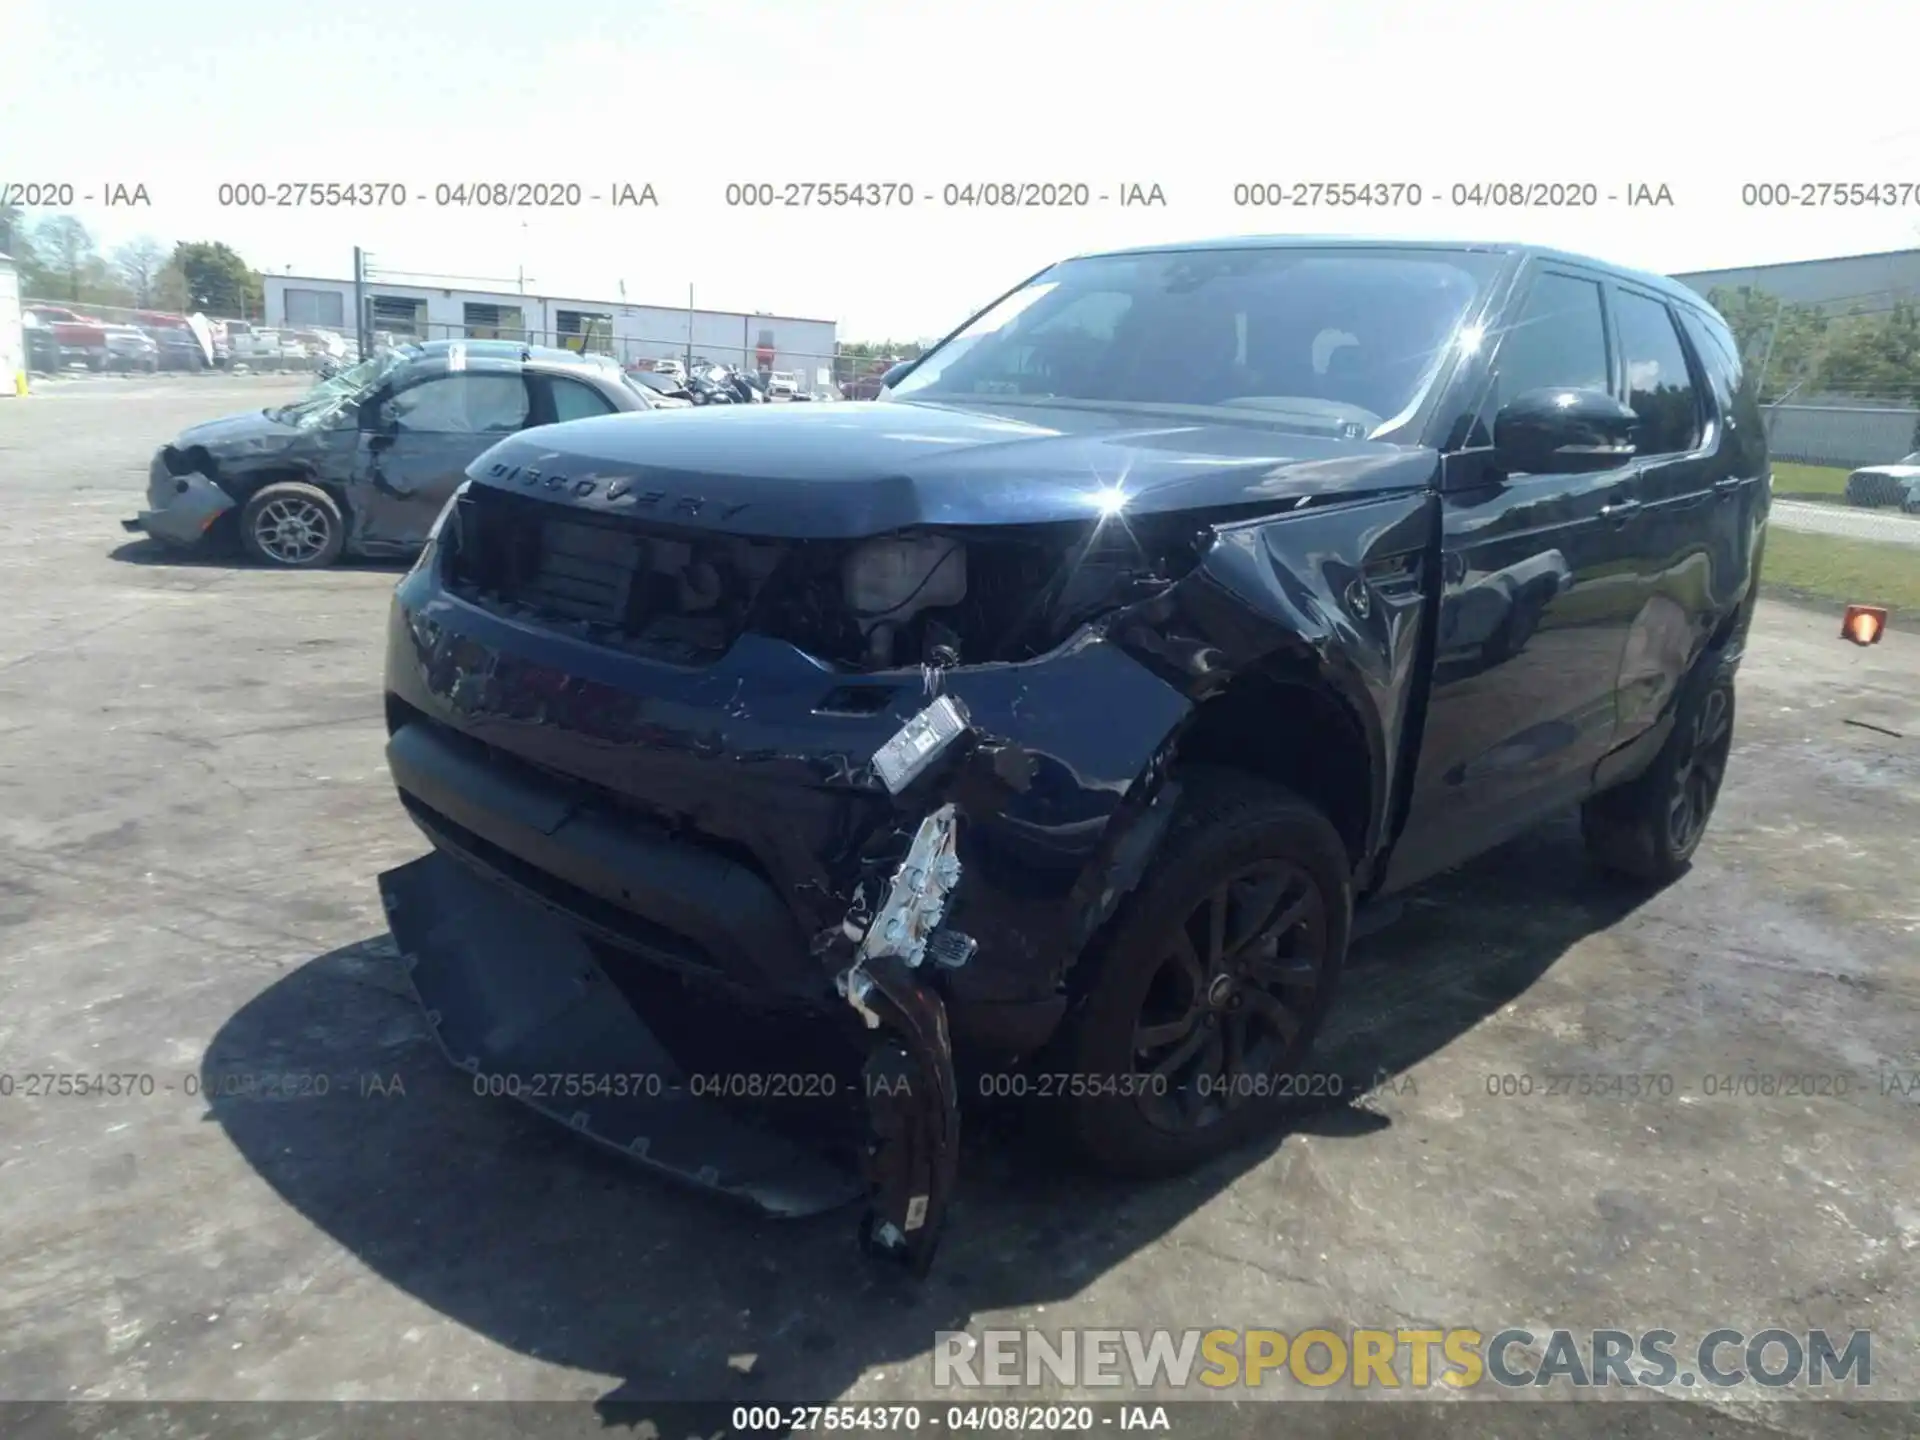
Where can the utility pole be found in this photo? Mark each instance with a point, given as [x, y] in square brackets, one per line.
[689, 329]
[360, 301]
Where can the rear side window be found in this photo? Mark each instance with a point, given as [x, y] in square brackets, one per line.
[1732, 387]
[1559, 341]
[574, 401]
[1659, 385]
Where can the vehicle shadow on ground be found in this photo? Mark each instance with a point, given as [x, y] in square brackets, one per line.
[508, 1225]
[226, 555]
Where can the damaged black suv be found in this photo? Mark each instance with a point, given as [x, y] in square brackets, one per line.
[1053, 716]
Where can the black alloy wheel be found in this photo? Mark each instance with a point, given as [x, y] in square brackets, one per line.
[1648, 829]
[1226, 1011]
[1196, 1008]
[1699, 769]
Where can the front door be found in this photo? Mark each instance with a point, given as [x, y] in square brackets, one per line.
[428, 433]
[1539, 587]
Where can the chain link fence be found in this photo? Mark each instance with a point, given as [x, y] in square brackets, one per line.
[65, 337]
[1857, 451]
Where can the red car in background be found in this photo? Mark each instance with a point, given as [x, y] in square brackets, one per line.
[78, 337]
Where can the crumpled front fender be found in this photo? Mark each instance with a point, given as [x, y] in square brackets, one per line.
[192, 503]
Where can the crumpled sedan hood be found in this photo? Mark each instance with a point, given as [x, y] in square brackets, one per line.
[851, 470]
[246, 433]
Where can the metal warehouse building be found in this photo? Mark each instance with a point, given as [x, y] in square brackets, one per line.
[13, 342]
[1845, 282]
[632, 332]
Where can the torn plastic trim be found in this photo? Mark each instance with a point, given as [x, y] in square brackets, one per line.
[189, 504]
[913, 1104]
[913, 1109]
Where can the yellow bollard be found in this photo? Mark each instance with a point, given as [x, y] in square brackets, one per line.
[20, 383]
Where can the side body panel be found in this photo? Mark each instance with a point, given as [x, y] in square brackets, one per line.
[1540, 583]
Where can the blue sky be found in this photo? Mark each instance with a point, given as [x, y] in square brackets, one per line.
[1194, 97]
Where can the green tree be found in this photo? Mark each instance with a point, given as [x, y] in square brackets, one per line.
[170, 288]
[63, 252]
[13, 230]
[139, 262]
[218, 281]
[1876, 355]
[1787, 339]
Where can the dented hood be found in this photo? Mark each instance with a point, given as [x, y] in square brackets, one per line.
[245, 433]
[850, 470]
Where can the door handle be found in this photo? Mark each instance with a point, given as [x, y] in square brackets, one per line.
[1728, 485]
[1619, 511]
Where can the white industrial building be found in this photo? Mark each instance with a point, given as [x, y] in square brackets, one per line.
[13, 341]
[632, 332]
[1872, 284]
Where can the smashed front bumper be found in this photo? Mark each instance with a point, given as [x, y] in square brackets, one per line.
[906, 874]
[181, 508]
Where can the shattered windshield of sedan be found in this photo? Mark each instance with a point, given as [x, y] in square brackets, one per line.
[1342, 340]
[334, 394]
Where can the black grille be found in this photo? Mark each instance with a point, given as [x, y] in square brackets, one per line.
[674, 593]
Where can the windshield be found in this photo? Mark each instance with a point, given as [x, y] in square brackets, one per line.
[1345, 340]
[327, 399]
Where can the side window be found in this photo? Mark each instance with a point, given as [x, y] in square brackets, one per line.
[462, 405]
[574, 401]
[1559, 341]
[1719, 355]
[1659, 386]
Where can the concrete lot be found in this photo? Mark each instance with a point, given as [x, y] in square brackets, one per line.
[193, 806]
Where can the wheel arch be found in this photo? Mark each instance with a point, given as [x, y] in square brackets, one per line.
[1291, 723]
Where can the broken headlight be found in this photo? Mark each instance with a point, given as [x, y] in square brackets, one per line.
[891, 580]
[975, 595]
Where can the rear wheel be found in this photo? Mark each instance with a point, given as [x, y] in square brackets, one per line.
[1210, 984]
[1649, 828]
[293, 525]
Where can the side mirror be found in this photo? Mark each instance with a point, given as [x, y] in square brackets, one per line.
[1563, 432]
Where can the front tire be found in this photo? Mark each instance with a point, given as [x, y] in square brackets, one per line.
[1648, 829]
[293, 526]
[1208, 987]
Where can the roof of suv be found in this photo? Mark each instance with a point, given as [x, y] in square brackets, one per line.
[1665, 284]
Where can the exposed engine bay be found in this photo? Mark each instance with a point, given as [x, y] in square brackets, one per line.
[930, 597]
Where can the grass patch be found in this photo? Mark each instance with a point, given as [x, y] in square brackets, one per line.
[1809, 482]
[1836, 569]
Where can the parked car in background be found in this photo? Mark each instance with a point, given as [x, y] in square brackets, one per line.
[82, 341]
[131, 349]
[666, 392]
[1055, 714]
[363, 462]
[226, 334]
[1883, 485]
[320, 345]
[179, 348]
[43, 349]
[263, 349]
[781, 385]
[667, 366]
